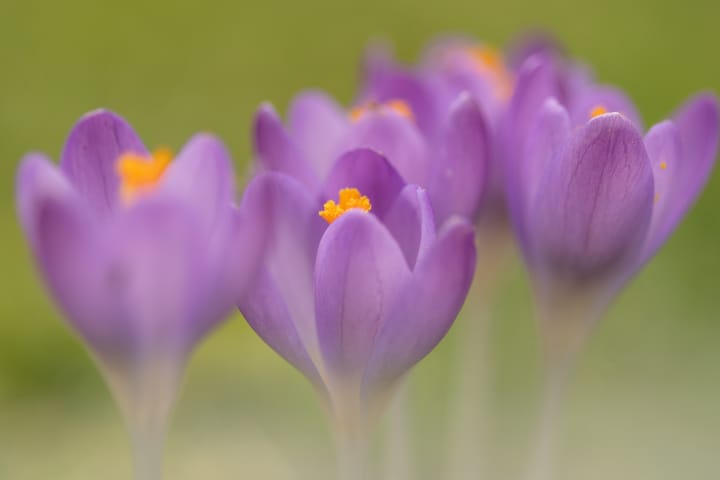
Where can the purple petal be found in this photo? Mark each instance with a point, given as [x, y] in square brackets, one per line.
[359, 270]
[276, 151]
[537, 81]
[159, 273]
[595, 202]
[458, 179]
[425, 308]
[74, 259]
[411, 222]
[611, 99]
[91, 152]
[546, 138]
[203, 174]
[370, 173]
[280, 307]
[317, 124]
[396, 138]
[37, 179]
[689, 152]
[384, 81]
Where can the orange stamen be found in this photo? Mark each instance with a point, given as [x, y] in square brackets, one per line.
[348, 198]
[597, 111]
[139, 173]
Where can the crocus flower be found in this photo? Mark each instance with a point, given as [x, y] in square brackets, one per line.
[356, 289]
[142, 254]
[593, 198]
[319, 131]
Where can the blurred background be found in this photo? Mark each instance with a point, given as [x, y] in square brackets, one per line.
[645, 403]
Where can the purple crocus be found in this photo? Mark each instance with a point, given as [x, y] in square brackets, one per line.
[451, 165]
[143, 256]
[355, 296]
[592, 197]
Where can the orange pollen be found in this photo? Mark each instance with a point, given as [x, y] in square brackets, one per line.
[396, 107]
[490, 61]
[663, 165]
[597, 111]
[139, 173]
[348, 198]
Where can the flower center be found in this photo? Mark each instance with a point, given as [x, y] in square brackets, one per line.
[598, 110]
[396, 107]
[489, 62]
[140, 173]
[348, 198]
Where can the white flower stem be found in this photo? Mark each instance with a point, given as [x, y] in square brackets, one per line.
[398, 450]
[351, 446]
[566, 318]
[148, 447]
[468, 423]
[469, 413]
[554, 388]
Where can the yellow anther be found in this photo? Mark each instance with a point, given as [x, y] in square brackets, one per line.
[597, 111]
[663, 165]
[139, 173]
[348, 198]
[396, 106]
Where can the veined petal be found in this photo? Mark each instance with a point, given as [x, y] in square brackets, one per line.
[458, 180]
[411, 222]
[595, 202]
[425, 308]
[317, 124]
[276, 151]
[369, 172]
[359, 270]
[90, 155]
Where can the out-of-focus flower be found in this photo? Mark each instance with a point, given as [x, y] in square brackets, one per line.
[451, 168]
[355, 292]
[143, 255]
[592, 199]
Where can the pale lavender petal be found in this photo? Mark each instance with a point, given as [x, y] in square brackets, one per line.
[317, 124]
[74, 259]
[359, 270]
[158, 273]
[595, 202]
[425, 308]
[384, 81]
[546, 137]
[537, 81]
[202, 175]
[610, 99]
[275, 150]
[369, 172]
[411, 222]
[394, 137]
[688, 150]
[280, 307]
[90, 155]
[459, 177]
[37, 179]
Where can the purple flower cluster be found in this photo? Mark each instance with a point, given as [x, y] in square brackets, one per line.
[352, 248]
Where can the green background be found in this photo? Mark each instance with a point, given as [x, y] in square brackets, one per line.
[646, 398]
